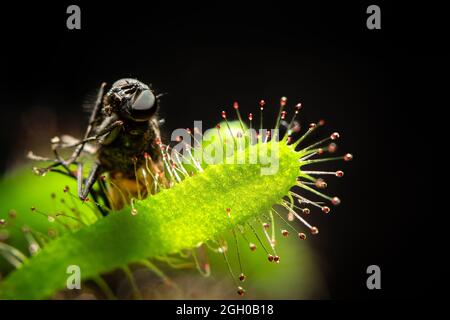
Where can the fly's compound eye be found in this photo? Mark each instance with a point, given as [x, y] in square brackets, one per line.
[144, 106]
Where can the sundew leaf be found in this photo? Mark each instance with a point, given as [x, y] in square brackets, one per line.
[182, 217]
[221, 197]
[296, 277]
[20, 190]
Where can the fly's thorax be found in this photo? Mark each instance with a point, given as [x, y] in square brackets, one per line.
[126, 151]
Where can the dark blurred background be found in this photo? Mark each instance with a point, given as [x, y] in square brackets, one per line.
[378, 88]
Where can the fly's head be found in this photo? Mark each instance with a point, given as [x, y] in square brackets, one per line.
[132, 100]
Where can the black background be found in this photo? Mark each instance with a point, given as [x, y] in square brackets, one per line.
[380, 88]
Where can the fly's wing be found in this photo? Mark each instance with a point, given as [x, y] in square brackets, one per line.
[67, 140]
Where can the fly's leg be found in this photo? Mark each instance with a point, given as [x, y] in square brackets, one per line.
[95, 193]
[92, 118]
[56, 162]
[79, 177]
[103, 194]
[59, 161]
[66, 141]
[82, 193]
[98, 136]
[92, 177]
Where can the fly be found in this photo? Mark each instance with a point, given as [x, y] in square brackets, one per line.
[123, 126]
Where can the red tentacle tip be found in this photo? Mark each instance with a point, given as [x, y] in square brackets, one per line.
[335, 201]
[262, 103]
[339, 174]
[334, 136]
[332, 147]
[348, 157]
